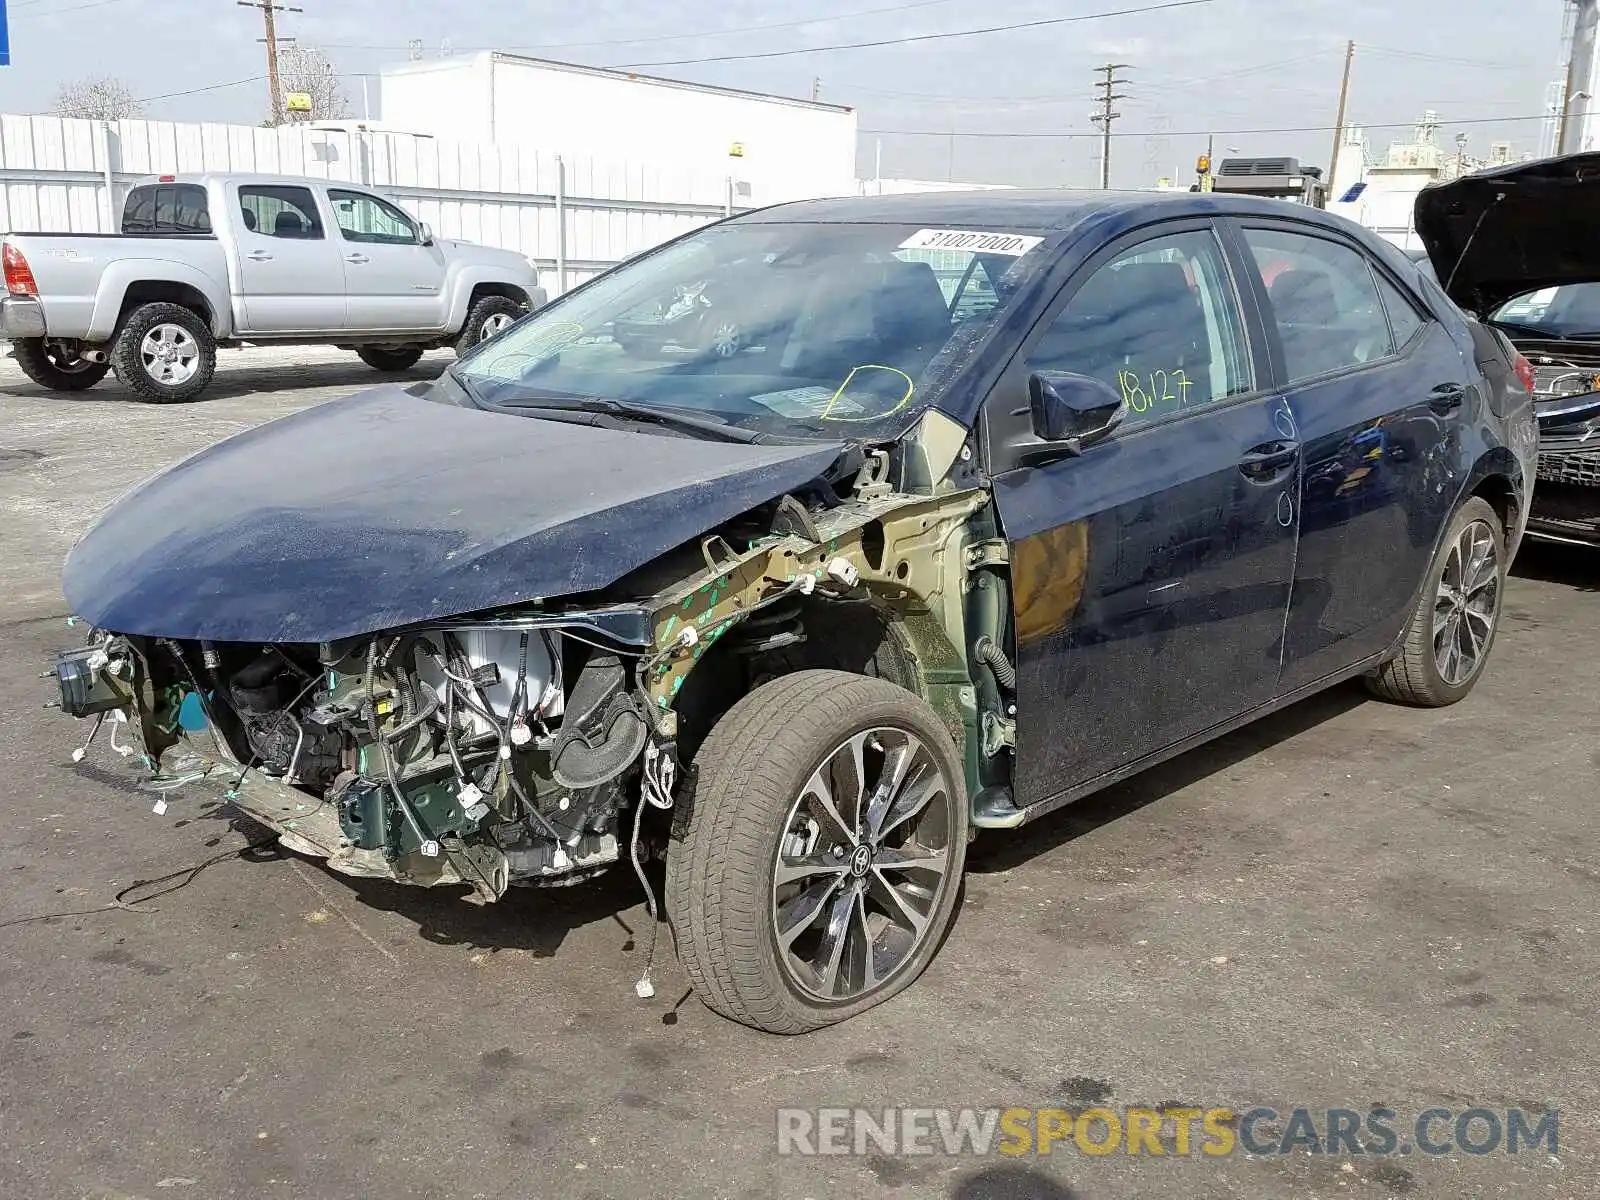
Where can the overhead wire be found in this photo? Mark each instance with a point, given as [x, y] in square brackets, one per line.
[910, 39]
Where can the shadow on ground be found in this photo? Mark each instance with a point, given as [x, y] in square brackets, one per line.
[1553, 562]
[1010, 1183]
[990, 855]
[233, 382]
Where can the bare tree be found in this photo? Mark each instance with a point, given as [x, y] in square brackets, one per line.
[309, 70]
[98, 98]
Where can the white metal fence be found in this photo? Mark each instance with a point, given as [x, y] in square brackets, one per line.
[573, 215]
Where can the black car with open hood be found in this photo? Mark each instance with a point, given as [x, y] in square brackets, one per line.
[1519, 247]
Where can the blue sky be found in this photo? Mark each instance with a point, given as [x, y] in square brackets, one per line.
[1227, 65]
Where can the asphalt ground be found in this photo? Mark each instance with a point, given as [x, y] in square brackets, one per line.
[1345, 905]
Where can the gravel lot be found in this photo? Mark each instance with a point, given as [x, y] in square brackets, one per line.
[1347, 904]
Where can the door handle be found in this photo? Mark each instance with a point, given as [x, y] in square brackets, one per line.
[356, 258]
[259, 256]
[1267, 462]
[1447, 397]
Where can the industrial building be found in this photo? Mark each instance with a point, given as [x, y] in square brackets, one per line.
[775, 147]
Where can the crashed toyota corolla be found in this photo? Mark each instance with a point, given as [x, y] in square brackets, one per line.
[804, 546]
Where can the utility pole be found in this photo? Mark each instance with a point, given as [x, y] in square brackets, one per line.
[1580, 77]
[269, 11]
[1338, 121]
[1107, 114]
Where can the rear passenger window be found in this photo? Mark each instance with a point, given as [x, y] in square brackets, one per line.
[166, 208]
[275, 211]
[1324, 300]
[1160, 323]
[1404, 320]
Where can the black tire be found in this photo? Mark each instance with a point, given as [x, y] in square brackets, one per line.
[49, 367]
[739, 810]
[1417, 675]
[127, 353]
[483, 313]
[390, 358]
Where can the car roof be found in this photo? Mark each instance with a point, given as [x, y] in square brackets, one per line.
[1041, 211]
[203, 178]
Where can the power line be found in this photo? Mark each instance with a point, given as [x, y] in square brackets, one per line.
[922, 37]
[210, 87]
[1194, 132]
[674, 37]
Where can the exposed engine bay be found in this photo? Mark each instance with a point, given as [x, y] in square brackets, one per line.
[486, 754]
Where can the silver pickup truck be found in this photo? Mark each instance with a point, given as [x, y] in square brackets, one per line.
[213, 260]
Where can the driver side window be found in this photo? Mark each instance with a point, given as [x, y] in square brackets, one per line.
[1160, 323]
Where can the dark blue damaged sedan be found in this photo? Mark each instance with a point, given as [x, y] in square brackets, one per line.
[801, 548]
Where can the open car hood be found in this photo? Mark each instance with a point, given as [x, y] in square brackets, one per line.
[386, 509]
[1499, 234]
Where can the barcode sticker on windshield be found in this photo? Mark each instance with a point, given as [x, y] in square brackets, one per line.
[1014, 244]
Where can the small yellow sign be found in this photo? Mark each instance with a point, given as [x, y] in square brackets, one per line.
[736, 150]
[298, 102]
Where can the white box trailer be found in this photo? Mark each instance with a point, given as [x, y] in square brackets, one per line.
[779, 148]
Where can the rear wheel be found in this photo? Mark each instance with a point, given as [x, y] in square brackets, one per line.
[1452, 629]
[819, 863]
[50, 365]
[165, 352]
[390, 358]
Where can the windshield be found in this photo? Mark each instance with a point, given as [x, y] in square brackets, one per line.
[1572, 310]
[809, 330]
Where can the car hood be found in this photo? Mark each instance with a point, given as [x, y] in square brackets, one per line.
[1496, 235]
[386, 509]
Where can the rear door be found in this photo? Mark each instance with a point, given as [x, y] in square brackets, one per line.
[290, 271]
[392, 279]
[1378, 389]
[1151, 573]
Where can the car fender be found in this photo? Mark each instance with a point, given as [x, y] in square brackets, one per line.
[463, 277]
[123, 274]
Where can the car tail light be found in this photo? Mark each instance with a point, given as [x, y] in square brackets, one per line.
[1520, 364]
[19, 275]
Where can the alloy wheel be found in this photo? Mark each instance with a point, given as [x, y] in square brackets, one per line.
[170, 354]
[862, 866]
[1466, 604]
[493, 324]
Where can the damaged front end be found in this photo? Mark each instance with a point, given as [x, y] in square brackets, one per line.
[485, 754]
[527, 746]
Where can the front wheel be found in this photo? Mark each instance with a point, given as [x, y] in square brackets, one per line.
[165, 352]
[489, 317]
[818, 863]
[390, 358]
[50, 365]
[1452, 628]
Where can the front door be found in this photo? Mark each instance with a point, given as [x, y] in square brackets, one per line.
[1151, 573]
[1379, 390]
[393, 280]
[290, 277]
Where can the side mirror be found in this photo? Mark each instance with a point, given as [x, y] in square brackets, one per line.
[1070, 412]
[426, 231]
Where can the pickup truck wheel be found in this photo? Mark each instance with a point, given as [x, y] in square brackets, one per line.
[52, 367]
[390, 358]
[165, 352]
[488, 317]
[1452, 628]
[818, 855]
